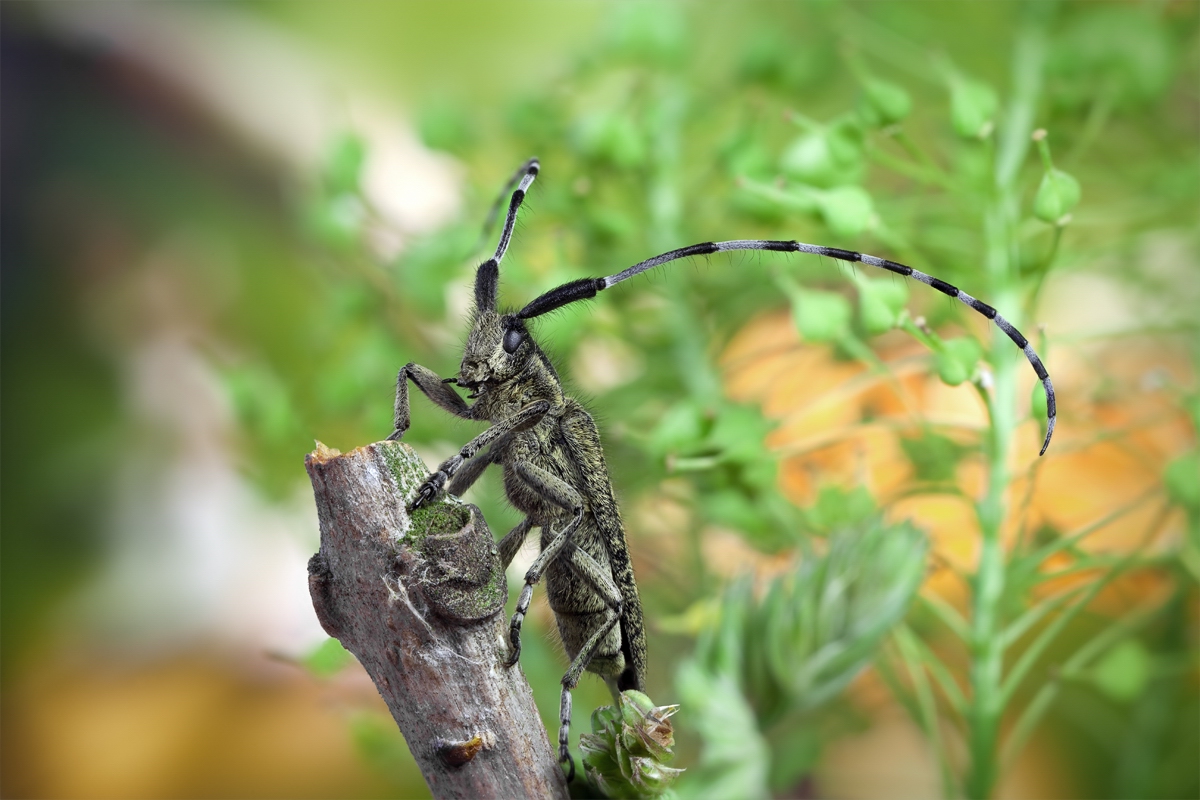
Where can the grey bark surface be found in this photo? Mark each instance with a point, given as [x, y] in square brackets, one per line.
[418, 599]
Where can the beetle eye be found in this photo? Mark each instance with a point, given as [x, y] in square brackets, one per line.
[512, 340]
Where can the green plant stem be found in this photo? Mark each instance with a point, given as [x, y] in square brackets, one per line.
[918, 172]
[1044, 269]
[1002, 258]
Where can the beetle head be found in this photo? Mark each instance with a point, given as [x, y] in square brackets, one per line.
[499, 345]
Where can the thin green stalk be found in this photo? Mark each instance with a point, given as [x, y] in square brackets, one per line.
[918, 172]
[1034, 559]
[1035, 650]
[1033, 712]
[1033, 616]
[898, 690]
[941, 674]
[1002, 258]
[1043, 268]
[926, 705]
[947, 613]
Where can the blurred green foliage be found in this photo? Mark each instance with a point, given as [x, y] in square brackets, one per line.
[899, 129]
[766, 665]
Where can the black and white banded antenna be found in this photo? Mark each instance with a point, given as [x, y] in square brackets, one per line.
[487, 275]
[586, 288]
[524, 177]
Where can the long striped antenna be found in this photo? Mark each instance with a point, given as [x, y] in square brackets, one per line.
[517, 177]
[586, 288]
[487, 276]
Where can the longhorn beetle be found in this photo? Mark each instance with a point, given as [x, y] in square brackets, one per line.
[554, 472]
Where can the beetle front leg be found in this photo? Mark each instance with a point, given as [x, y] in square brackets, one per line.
[434, 387]
[432, 487]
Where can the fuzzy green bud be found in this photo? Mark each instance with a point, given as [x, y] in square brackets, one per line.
[973, 106]
[821, 316]
[1056, 196]
[885, 103]
[847, 210]
[826, 155]
[1124, 671]
[880, 303]
[957, 358]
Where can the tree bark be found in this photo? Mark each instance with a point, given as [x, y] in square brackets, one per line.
[418, 599]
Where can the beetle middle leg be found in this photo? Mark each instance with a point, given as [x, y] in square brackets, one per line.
[556, 492]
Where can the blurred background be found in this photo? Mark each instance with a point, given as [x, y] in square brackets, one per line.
[226, 226]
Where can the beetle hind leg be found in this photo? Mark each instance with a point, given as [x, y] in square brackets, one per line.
[564, 732]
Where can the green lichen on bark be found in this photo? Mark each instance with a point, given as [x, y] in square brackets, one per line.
[405, 465]
[461, 565]
[441, 517]
[458, 565]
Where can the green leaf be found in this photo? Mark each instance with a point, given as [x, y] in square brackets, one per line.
[933, 457]
[828, 155]
[820, 625]
[735, 758]
[957, 359]
[680, 429]
[732, 508]
[344, 163]
[328, 659]
[839, 508]
[1182, 479]
[1124, 671]
[739, 432]
[807, 159]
